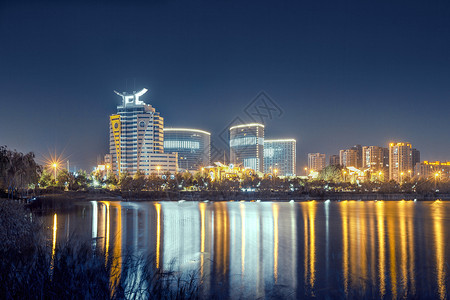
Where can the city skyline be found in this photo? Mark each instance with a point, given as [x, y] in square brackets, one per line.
[340, 73]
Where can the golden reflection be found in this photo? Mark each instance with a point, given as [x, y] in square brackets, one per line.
[381, 247]
[344, 214]
[242, 209]
[116, 263]
[391, 227]
[221, 238]
[158, 233]
[275, 211]
[372, 247]
[309, 211]
[55, 228]
[411, 252]
[403, 247]
[439, 241]
[107, 231]
[362, 242]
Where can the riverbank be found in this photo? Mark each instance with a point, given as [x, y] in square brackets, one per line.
[65, 200]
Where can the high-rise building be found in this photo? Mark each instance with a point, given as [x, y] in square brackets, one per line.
[280, 155]
[359, 156]
[400, 161]
[316, 161]
[247, 146]
[334, 160]
[136, 138]
[373, 158]
[415, 156]
[192, 145]
[348, 158]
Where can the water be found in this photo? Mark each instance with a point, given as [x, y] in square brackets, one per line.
[392, 249]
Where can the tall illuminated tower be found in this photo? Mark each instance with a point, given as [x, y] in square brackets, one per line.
[400, 161]
[136, 138]
[247, 146]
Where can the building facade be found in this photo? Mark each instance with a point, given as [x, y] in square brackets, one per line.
[192, 145]
[432, 170]
[348, 158]
[316, 162]
[415, 156]
[359, 155]
[136, 138]
[375, 158]
[334, 160]
[280, 156]
[247, 146]
[400, 161]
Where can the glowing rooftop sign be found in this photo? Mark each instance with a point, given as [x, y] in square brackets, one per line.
[132, 98]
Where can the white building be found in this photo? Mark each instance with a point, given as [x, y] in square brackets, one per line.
[280, 157]
[136, 138]
[247, 146]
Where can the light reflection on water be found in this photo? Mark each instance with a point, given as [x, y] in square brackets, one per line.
[267, 249]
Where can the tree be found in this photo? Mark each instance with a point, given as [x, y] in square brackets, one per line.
[125, 181]
[331, 174]
[138, 182]
[46, 178]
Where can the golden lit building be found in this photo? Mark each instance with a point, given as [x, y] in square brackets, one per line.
[221, 171]
[348, 158]
[428, 170]
[400, 161]
[316, 162]
[375, 158]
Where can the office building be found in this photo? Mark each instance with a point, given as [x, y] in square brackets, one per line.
[136, 138]
[316, 162]
[348, 158]
[192, 145]
[334, 160]
[247, 146]
[280, 157]
[400, 161]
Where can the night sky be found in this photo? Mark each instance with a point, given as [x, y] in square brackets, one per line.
[342, 72]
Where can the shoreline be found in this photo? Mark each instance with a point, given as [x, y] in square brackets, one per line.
[66, 198]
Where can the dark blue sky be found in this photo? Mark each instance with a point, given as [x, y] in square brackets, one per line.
[344, 72]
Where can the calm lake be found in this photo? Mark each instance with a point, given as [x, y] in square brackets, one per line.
[392, 249]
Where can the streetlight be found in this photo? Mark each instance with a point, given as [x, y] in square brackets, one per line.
[275, 171]
[344, 175]
[55, 165]
[306, 170]
[379, 175]
[401, 177]
[157, 168]
[409, 171]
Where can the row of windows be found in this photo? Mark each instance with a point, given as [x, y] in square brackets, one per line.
[246, 141]
[181, 144]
